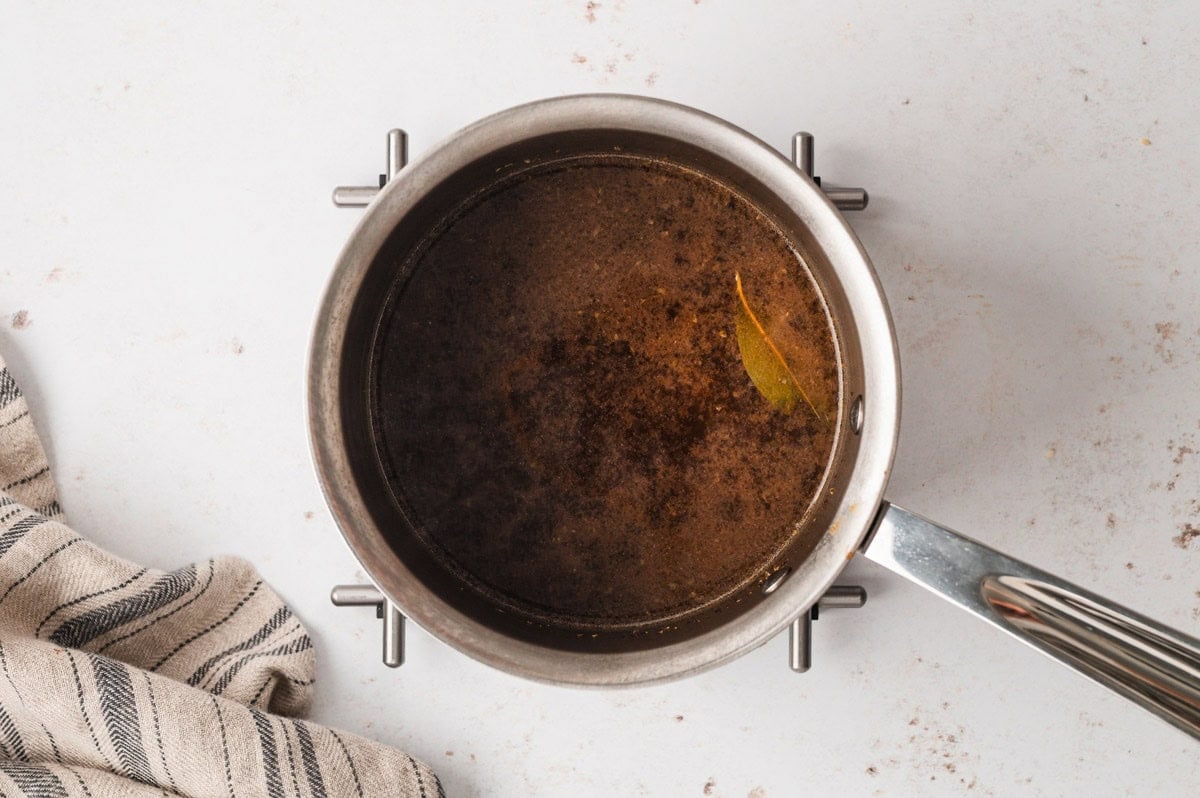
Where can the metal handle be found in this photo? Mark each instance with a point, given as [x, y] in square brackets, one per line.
[1152, 665]
[361, 196]
[844, 198]
[393, 620]
[800, 632]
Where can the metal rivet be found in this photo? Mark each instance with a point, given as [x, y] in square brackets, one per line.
[856, 415]
[775, 580]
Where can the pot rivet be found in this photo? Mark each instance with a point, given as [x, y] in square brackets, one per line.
[775, 580]
[856, 415]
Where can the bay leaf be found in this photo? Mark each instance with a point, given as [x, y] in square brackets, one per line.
[765, 363]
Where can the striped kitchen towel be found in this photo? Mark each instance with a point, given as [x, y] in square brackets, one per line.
[122, 680]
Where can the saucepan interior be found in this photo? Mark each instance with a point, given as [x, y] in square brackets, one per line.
[357, 324]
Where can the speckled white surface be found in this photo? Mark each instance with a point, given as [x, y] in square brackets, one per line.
[1035, 218]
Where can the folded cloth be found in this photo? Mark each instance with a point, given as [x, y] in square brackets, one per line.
[121, 680]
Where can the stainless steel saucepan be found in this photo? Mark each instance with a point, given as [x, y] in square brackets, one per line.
[1155, 666]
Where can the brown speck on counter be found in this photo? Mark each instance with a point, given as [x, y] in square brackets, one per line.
[309, 515]
[236, 347]
[577, 58]
[1182, 452]
[679, 718]
[449, 753]
[1145, 142]
[872, 771]
[652, 78]
[1128, 566]
[1166, 331]
[708, 786]
[589, 11]
[20, 320]
[757, 792]
[1111, 521]
[907, 101]
[1085, 98]
[1187, 533]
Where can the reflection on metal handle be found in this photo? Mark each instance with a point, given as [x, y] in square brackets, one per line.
[393, 621]
[1148, 663]
[393, 636]
[845, 198]
[354, 196]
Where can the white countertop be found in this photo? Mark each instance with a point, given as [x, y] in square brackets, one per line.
[165, 225]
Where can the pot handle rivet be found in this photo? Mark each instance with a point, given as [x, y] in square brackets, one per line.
[856, 416]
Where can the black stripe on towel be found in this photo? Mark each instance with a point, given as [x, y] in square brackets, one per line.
[162, 750]
[196, 636]
[302, 643]
[270, 754]
[316, 785]
[119, 708]
[224, 748]
[350, 761]
[49, 556]
[34, 781]
[417, 772]
[93, 623]
[19, 530]
[15, 419]
[26, 480]
[272, 623]
[8, 388]
[136, 576]
[11, 737]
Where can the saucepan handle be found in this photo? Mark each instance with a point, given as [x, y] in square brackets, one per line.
[1148, 663]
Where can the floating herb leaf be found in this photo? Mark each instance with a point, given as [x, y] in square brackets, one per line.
[766, 365]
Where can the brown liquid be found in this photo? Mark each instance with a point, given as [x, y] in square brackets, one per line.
[561, 402]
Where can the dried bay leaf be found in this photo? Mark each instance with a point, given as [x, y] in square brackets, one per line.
[765, 363]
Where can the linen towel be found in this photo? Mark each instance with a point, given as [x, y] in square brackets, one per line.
[120, 680]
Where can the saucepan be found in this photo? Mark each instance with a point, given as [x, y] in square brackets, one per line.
[1157, 667]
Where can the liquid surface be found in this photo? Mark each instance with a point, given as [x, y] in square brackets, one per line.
[562, 407]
